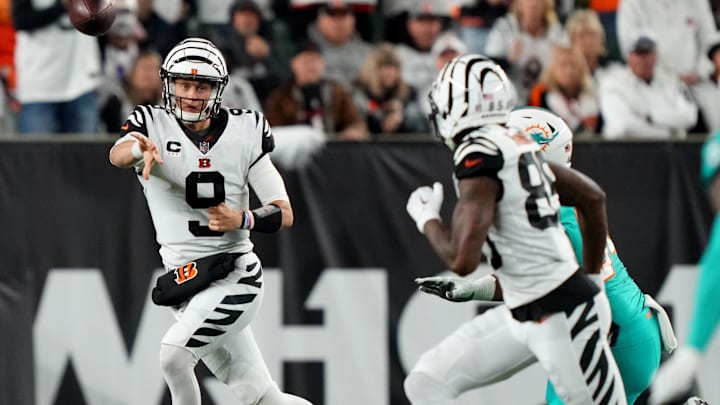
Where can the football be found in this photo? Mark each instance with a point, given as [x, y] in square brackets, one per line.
[92, 17]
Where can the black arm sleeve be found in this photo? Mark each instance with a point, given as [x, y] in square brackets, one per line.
[26, 18]
[267, 219]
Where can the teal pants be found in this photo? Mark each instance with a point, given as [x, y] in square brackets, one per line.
[637, 353]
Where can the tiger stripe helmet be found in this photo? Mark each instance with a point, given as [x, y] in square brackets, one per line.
[470, 91]
[194, 59]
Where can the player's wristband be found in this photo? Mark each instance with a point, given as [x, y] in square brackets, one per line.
[484, 288]
[264, 219]
[136, 151]
[248, 220]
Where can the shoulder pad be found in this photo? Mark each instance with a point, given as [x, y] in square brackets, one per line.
[138, 120]
[478, 155]
[268, 140]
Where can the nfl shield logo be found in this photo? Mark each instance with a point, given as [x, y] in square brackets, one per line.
[204, 146]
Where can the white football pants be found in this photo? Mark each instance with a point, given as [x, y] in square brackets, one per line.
[214, 326]
[573, 350]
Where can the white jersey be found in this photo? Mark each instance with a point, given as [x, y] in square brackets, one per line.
[199, 172]
[528, 246]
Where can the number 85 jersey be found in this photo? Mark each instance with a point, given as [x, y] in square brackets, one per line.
[199, 171]
[526, 244]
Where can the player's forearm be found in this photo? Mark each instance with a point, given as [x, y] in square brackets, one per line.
[438, 235]
[588, 198]
[462, 255]
[122, 154]
[594, 236]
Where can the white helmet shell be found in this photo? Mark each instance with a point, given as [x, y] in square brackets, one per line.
[469, 92]
[547, 129]
[194, 59]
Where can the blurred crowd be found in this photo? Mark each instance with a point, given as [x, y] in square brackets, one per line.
[361, 69]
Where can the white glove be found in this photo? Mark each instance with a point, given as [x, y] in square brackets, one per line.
[675, 377]
[424, 204]
[667, 333]
[696, 401]
[458, 289]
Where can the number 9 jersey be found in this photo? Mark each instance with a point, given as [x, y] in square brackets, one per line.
[200, 170]
[527, 245]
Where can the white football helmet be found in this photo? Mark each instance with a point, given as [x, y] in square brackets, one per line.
[469, 92]
[547, 129]
[194, 59]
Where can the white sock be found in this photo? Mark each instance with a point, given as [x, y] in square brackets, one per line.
[178, 367]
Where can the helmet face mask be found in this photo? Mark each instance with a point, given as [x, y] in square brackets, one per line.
[547, 129]
[470, 91]
[194, 59]
[433, 118]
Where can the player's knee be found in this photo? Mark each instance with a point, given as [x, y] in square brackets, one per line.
[423, 389]
[176, 360]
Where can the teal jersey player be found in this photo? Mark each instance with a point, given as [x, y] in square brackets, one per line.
[675, 377]
[638, 341]
[706, 313]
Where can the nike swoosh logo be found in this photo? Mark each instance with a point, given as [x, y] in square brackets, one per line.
[125, 127]
[472, 162]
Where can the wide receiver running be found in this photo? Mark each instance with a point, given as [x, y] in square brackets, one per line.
[555, 311]
[198, 194]
[642, 329]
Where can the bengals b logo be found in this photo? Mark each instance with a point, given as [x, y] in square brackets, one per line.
[185, 273]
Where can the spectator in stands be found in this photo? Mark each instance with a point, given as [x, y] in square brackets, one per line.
[424, 25]
[388, 103]
[58, 71]
[522, 41]
[161, 35]
[563, 8]
[174, 11]
[585, 32]
[643, 101]
[141, 85]
[566, 88]
[309, 98]
[446, 47]
[8, 104]
[707, 92]
[239, 93]
[214, 22]
[715, 7]
[342, 48]
[606, 11]
[476, 20]
[122, 41]
[250, 53]
[394, 14]
[683, 31]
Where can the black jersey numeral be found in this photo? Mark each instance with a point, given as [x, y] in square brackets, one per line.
[194, 200]
[542, 203]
